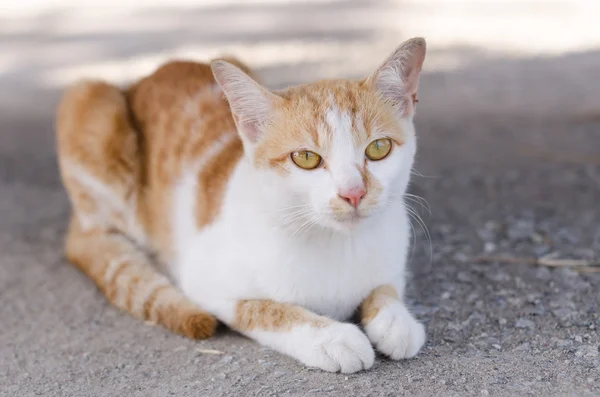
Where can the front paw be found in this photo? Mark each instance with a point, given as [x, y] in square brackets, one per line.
[395, 332]
[340, 347]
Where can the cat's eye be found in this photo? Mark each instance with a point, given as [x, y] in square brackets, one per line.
[379, 149]
[306, 159]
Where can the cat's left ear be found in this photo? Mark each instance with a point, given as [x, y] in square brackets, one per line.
[251, 104]
[397, 79]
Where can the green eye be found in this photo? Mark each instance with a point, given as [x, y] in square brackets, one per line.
[306, 159]
[379, 149]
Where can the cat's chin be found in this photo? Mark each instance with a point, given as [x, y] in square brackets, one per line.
[348, 224]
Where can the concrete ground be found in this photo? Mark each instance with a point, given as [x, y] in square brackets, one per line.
[509, 132]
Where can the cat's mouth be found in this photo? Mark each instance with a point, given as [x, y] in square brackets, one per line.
[351, 219]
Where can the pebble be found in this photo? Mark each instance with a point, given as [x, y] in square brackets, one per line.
[563, 343]
[567, 236]
[565, 314]
[525, 323]
[587, 351]
[489, 232]
[489, 247]
[523, 347]
[578, 338]
[502, 321]
[520, 230]
[496, 346]
[226, 360]
[279, 374]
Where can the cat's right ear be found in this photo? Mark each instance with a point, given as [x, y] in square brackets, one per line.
[251, 104]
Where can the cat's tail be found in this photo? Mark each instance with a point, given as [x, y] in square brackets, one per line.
[100, 166]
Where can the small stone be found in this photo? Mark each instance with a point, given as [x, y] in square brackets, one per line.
[446, 295]
[489, 247]
[461, 257]
[590, 380]
[563, 343]
[525, 323]
[578, 338]
[520, 230]
[442, 382]
[567, 236]
[489, 232]
[587, 351]
[502, 321]
[484, 392]
[592, 326]
[541, 250]
[221, 376]
[226, 360]
[523, 347]
[496, 346]
[565, 314]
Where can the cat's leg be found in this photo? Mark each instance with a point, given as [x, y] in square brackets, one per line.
[99, 161]
[389, 325]
[314, 340]
[128, 280]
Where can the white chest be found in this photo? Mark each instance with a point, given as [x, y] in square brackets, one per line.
[330, 275]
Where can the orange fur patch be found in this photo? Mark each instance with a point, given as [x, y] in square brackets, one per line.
[119, 155]
[267, 315]
[376, 300]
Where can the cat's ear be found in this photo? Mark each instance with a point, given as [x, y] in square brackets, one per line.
[397, 79]
[251, 104]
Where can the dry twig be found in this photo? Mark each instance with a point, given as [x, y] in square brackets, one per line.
[582, 265]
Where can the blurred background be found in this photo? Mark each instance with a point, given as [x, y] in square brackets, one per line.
[509, 132]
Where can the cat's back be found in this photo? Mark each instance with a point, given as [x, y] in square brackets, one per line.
[185, 127]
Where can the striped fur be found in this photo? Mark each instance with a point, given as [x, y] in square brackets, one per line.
[120, 202]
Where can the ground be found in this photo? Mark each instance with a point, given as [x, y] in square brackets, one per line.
[508, 163]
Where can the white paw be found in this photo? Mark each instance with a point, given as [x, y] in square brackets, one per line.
[395, 332]
[340, 347]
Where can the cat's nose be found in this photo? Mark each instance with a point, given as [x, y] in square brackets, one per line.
[353, 196]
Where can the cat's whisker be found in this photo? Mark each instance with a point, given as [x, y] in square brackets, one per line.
[420, 201]
[293, 217]
[415, 215]
[414, 171]
[292, 207]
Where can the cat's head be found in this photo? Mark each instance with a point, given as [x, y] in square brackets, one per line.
[330, 153]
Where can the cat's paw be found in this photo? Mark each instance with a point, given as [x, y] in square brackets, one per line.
[395, 332]
[340, 347]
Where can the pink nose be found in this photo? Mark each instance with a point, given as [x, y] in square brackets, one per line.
[353, 196]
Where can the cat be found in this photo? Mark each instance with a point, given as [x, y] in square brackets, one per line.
[199, 196]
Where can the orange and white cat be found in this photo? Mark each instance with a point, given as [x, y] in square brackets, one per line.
[280, 214]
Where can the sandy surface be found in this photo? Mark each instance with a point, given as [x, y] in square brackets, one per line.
[509, 132]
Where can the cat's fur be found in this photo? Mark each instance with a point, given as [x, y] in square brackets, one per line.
[170, 172]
